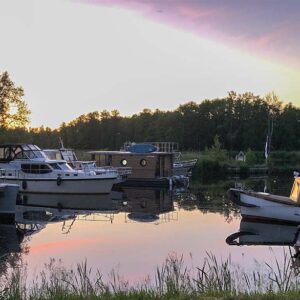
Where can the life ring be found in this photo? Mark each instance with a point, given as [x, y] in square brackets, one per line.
[58, 180]
[24, 185]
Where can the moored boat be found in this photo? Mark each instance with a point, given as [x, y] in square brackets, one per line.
[259, 205]
[27, 166]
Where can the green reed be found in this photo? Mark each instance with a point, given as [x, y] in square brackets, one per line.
[215, 279]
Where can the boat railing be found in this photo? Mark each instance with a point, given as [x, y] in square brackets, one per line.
[42, 173]
[9, 173]
[124, 170]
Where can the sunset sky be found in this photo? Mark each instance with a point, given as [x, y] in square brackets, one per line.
[77, 56]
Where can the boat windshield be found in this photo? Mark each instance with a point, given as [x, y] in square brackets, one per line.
[61, 166]
[30, 154]
[68, 155]
[26, 151]
[64, 166]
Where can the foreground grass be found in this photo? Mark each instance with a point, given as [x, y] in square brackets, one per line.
[215, 279]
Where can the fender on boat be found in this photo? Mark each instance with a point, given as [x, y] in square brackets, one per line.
[234, 195]
[24, 184]
[58, 180]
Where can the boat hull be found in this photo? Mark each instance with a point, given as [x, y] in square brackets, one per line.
[255, 207]
[65, 186]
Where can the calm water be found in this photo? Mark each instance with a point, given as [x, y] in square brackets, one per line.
[133, 230]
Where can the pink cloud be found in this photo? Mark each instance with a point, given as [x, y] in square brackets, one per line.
[255, 27]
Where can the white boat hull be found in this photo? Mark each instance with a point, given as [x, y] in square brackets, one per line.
[66, 186]
[258, 208]
[269, 210]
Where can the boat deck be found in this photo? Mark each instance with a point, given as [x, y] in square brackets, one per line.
[273, 198]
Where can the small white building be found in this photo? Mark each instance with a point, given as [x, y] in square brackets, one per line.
[240, 156]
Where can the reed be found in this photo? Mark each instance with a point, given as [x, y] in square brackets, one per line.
[215, 279]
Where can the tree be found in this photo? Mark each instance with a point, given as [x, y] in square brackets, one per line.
[13, 109]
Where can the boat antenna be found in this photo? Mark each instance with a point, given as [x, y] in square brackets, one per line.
[61, 143]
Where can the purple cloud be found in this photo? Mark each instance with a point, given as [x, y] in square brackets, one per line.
[263, 27]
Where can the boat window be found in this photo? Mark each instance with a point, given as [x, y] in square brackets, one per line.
[26, 147]
[68, 155]
[123, 162]
[34, 147]
[53, 154]
[45, 169]
[65, 166]
[143, 162]
[35, 168]
[20, 155]
[25, 168]
[34, 154]
[55, 166]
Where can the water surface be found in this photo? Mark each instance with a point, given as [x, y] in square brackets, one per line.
[133, 230]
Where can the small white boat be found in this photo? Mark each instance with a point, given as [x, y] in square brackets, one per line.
[8, 199]
[258, 205]
[27, 166]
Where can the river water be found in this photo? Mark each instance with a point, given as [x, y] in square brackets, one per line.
[133, 230]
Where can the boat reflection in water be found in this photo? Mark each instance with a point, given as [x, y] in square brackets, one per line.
[263, 233]
[144, 205]
[35, 211]
[149, 205]
[254, 233]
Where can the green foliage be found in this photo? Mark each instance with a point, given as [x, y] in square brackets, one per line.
[214, 279]
[13, 109]
[216, 152]
[250, 157]
[240, 121]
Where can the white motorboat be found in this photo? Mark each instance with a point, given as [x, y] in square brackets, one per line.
[87, 166]
[259, 205]
[28, 166]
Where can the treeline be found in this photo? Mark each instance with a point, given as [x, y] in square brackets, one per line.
[241, 121]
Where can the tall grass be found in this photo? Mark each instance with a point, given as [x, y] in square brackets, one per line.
[216, 278]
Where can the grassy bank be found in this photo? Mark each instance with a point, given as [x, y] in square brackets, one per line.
[215, 279]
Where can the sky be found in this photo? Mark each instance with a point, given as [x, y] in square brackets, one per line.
[77, 56]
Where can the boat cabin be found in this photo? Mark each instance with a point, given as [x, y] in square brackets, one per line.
[61, 154]
[145, 166]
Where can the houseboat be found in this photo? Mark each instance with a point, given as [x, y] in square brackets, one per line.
[180, 167]
[150, 167]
